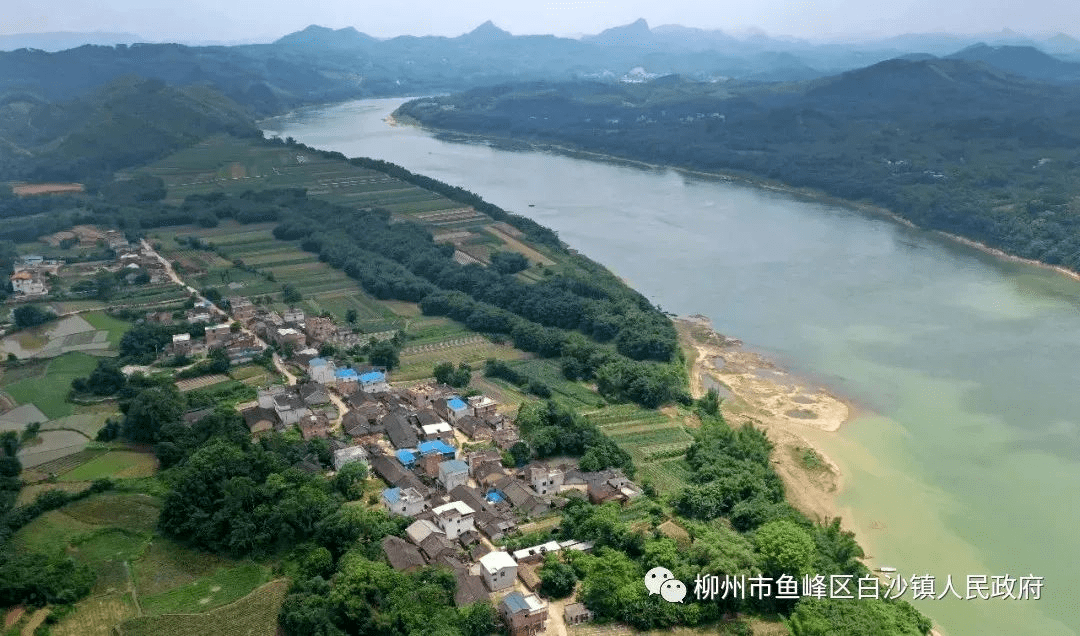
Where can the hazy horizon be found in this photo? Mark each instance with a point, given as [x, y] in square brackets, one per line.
[828, 20]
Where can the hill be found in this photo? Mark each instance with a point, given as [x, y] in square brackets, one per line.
[127, 122]
[1027, 61]
[949, 144]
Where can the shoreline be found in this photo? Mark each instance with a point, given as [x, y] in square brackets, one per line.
[757, 391]
[761, 183]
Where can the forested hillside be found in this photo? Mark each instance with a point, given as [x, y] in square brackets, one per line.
[949, 144]
[127, 122]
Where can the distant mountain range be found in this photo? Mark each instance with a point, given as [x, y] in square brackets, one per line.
[319, 64]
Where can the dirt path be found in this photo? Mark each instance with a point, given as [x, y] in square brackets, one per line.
[757, 391]
[35, 621]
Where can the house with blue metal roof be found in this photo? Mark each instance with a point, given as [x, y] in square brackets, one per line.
[525, 614]
[437, 446]
[457, 408]
[406, 457]
[406, 502]
[453, 473]
[346, 375]
[373, 381]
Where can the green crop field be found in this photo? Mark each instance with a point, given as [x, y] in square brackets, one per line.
[219, 588]
[134, 511]
[108, 551]
[419, 365]
[575, 394]
[254, 615]
[656, 441]
[52, 532]
[49, 391]
[114, 464]
[115, 326]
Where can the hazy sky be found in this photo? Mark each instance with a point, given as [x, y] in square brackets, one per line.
[192, 20]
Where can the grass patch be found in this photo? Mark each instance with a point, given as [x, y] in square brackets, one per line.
[809, 459]
[133, 511]
[222, 587]
[166, 565]
[114, 464]
[49, 392]
[51, 532]
[254, 615]
[103, 321]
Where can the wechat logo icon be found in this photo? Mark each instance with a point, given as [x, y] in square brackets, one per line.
[661, 581]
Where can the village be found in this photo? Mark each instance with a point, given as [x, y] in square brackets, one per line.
[442, 455]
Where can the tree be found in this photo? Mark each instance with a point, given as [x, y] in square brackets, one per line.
[384, 354]
[557, 579]
[848, 617]
[31, 316]
[350, 316]
[105, 379]
[785, 548]
[349, 481]
[710, 402]
[521, 453]
[445, 373]
[290, 295]
[508, 262]
[150, 410]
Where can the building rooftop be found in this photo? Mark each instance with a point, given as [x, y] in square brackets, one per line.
[456, 403]
[317, 362]
[345, 374]
[543, 548]
[434, 429]
[181, 337]
[372, 376]
[453, 466]
[435, 446]
[461, 507]
[405, 456]
[495, 561]
[517, 602]
[393, 495]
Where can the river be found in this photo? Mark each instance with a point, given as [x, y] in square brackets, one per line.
[964, 457]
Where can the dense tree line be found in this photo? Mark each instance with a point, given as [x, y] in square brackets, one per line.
[624, 551]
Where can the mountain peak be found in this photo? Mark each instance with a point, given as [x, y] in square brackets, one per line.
[488, 31]
[637, 33]
[347, 37]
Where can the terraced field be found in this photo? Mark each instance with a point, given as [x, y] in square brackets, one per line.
[418, 361]
[324, 288]
[656, 441]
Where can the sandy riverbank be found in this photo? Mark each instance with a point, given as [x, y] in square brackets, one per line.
[757, 391]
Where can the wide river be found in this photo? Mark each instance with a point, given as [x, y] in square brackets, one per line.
[965, 458]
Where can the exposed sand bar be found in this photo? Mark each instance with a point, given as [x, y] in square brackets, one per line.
[758, 392]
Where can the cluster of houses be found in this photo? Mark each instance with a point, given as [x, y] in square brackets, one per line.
[134, 259]
[441, 455]
[241, 347]
[461, 502]
[30, 274]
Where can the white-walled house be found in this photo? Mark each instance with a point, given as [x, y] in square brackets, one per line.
[498, 570]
